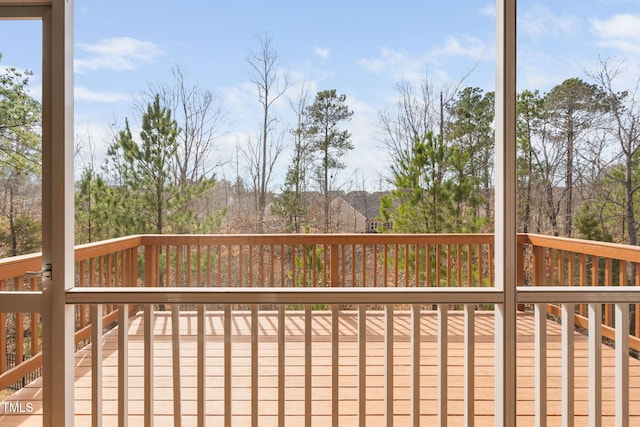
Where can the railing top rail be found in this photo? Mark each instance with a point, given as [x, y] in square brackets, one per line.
[588, 247]
[20, 302]
[578, 294]
[92, 250]
[18, 265]
[318, 239]
[321, 295]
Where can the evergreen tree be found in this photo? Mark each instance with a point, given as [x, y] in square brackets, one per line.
[20, 120]
[144, 169]
[328, 141]
[470, 135]
[427, 193]
[95, 209]
[530, 126]
[572, 108]
[20, 154]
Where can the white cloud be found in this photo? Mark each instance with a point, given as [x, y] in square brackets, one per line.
[82, 93]
[92, 139]
[115, 54]
[399, 65]
[620, 32]
[403, 66]
[539, 21]
[323, 53]
[469, 47]
[367, 156]
[489, 9]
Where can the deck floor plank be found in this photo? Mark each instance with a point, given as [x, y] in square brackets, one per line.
[321, 372]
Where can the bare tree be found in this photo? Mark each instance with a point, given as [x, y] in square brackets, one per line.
[291, 204]
[200, 114]
[418, 111]
[271, 85]
[255, 158]
[623, 108]
[413, 116]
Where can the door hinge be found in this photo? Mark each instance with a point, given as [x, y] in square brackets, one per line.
[45, 274]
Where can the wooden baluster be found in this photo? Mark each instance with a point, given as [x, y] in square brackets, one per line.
[178, 267]
[406, 265]
[209, 267]
[365, 282]
[438, 249]
[375, 265]
[385, 267]
[199, 265]
[83, 282]
[281, 265]
[480, 266]
[582, 280]
[417, 266]
[272, 266]
[110, 275]
[459, 265]
[608, 281]
[3, 334]
[251, 278]
[261, 266]
[637, 311]
[19, 327]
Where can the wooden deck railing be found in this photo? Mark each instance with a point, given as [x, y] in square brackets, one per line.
[556, 261]
[318, 260]
[111, 263]
[579, 277]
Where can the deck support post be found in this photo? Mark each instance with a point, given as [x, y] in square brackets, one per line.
[506, 273]
[57, 213]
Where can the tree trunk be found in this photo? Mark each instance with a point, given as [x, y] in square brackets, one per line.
[553, 217]
[568, 224]
[631, 220]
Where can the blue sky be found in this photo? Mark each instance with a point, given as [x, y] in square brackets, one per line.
[360, 48]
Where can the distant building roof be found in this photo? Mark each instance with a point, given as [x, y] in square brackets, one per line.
[368, 205]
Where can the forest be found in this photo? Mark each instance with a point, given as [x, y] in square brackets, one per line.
[578, 160]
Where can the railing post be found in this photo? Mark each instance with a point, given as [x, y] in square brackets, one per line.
[539, 271]
[150, 266]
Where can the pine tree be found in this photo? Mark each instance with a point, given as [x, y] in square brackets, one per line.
[328, 141]
[144, 169]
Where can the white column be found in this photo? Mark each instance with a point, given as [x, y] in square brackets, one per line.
[505, 212]
[57, 212]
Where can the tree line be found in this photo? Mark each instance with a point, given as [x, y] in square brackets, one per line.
[577, 166]
[578, 169]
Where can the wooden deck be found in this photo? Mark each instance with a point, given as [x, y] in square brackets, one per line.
[30, 396]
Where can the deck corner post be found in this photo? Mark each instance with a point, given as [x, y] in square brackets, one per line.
[57, 213]
[506, 272]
